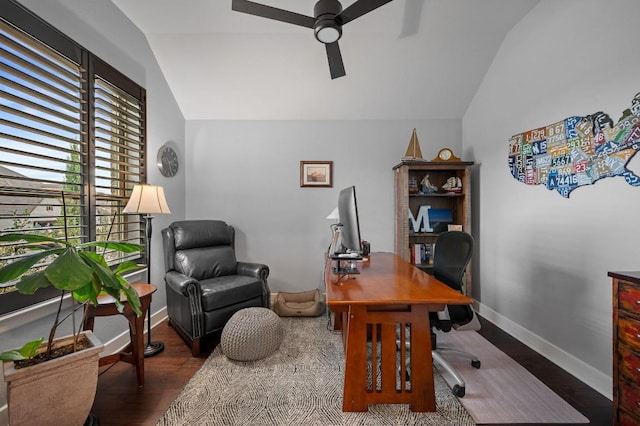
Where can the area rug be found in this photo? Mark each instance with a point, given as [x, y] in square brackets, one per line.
[300, 384]
[502, 391]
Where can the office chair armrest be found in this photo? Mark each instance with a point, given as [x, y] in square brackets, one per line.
[180, 282]
[444, 315]
[257, 270]
[443, 321]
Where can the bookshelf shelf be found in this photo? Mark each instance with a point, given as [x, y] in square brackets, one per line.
[436, 195]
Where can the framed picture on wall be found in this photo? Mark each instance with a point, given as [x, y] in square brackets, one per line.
[316, 174]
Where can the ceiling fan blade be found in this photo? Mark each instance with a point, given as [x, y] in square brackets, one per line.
[269, 12]
[336, 66]
[412, 17]
[359, 8]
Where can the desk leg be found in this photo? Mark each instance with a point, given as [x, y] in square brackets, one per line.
[355, 372]
[423, 397]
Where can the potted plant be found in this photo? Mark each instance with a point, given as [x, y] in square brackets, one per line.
[33, 390]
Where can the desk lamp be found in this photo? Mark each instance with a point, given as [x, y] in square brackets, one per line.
[336, 232]
[148, 199]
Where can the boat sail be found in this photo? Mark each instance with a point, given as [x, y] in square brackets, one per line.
[413, 150]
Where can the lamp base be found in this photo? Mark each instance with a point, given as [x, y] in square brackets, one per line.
[153, 348]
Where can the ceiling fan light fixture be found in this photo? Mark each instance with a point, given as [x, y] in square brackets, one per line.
[327, 28]
[327, 31]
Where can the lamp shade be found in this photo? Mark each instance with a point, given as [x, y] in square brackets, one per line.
[334, 214]
[147, 199]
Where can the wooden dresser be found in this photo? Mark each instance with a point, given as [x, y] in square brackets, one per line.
[626, 348]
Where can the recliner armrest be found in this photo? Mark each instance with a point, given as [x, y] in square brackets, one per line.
[257, 270]
[179, 282]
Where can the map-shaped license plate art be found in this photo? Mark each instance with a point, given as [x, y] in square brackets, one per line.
[577, 151]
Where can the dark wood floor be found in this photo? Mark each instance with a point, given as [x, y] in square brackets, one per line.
[119, 401]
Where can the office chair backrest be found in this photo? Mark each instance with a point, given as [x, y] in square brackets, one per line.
[452, 254]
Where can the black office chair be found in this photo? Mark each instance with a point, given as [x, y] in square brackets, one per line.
[452, 254]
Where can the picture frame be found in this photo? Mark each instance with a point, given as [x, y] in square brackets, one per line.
[316, 174]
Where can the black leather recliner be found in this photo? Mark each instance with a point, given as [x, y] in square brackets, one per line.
[205, 283]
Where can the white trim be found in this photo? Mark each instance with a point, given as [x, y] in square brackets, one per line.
[30, 314]
[596, 379]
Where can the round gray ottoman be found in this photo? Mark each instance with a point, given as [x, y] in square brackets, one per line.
[251, 334]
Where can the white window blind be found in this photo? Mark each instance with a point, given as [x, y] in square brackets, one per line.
[72, 141]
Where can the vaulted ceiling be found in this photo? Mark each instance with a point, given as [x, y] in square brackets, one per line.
[409, 59]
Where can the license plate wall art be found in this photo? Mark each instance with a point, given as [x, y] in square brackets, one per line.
[577, 151]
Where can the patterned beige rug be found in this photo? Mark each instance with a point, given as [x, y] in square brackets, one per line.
[300, 384]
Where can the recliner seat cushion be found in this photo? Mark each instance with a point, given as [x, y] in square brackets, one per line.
[228, 290]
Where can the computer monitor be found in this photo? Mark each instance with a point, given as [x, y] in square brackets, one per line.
[351, 242]
[348, 213]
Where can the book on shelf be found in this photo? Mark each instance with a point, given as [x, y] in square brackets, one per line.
[422, 253]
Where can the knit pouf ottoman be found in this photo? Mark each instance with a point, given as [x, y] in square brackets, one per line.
[251, 334]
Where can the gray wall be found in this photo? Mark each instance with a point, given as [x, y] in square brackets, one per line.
[103, 29]
[543, 259]
[248, 174]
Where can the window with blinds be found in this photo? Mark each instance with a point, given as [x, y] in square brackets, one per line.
[72, 142]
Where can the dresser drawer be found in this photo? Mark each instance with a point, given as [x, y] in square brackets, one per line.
[626, 419]
[628, 298]
[629, 332]
[629, 397]
[629, 362]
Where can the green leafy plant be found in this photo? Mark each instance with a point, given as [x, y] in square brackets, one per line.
[76, 270]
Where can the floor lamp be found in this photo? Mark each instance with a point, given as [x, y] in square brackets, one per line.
[147, 200]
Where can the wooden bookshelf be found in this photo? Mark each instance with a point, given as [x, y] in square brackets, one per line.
[411, 199]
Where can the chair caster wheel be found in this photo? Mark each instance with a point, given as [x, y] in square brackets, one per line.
[475, 364]
[458, 391]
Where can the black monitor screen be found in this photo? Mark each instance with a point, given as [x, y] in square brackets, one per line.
[348, 212]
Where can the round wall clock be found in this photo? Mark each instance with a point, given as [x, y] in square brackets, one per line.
[168, 161]
[446, 154]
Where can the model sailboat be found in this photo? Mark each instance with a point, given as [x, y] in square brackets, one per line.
[413, 150]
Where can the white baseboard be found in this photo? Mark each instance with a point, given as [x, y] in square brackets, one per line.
[111, 347]
[596, 379]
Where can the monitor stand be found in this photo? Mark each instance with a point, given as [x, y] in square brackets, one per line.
[345, 265]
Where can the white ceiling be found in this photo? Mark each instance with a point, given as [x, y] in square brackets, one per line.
[409, 59]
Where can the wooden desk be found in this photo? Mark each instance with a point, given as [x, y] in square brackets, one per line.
[134, 352]
[376, 306]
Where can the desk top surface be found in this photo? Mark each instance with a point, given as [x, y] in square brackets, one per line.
[387, 279]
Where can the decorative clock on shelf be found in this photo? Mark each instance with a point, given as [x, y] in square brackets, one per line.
[446, 154]
[168, 161]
